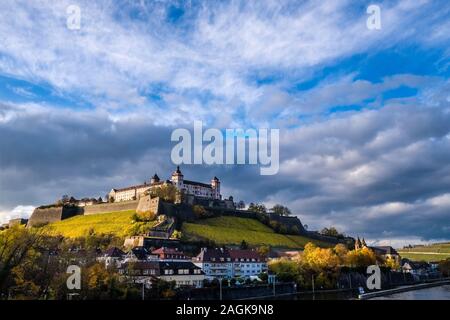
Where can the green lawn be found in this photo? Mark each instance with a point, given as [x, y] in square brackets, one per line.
[232, 230]
[431, 252]
[423, 257]
[117, 223]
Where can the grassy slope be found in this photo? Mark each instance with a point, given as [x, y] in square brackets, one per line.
[117, 223]
[433, 252]
[232, 230]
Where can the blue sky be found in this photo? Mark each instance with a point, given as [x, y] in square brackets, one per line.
[362, 113]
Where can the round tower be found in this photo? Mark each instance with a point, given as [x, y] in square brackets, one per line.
[215, 185]
[177, 178]
[155, 179]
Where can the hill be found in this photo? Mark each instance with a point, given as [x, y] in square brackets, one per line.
[228, 230]
[432, 252]
[117, 223]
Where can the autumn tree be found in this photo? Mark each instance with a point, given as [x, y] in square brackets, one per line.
[167, 192]
[280, 210]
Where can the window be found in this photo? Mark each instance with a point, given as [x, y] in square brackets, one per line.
[168, 271]
[197, 271]
[183, 271]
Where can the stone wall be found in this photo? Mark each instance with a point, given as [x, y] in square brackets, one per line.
[111, 207]
[147, 204]
[43, 216]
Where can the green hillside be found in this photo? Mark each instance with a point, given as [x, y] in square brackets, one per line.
[232, 230]
[117, 223]
[432, 252]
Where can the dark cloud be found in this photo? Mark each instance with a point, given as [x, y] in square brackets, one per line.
[383, 173]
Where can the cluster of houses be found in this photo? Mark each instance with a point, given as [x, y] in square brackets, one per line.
[141, 265]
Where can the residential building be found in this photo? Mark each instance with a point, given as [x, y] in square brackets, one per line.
[165, 253]
[229, 263]
[112, 257]
[184, 273]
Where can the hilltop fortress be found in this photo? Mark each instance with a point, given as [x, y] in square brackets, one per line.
[137, 198]
[188, 187]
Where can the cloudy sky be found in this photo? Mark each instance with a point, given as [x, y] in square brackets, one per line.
[364, 115]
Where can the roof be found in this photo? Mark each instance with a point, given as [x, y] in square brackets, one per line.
[177, 172]
[166, 250]
[155, 177]
[176, 265]
[140, 253]
[195, 183]
[114, 252]
[133, 187]
[210, 254]
[245, 254]
[141, 265]
[224, 254]
[384, 250]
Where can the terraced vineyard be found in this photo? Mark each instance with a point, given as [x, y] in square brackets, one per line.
[116, 223]
[432, 252]
[232, 230]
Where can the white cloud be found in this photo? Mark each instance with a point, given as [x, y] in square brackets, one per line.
[18, 212]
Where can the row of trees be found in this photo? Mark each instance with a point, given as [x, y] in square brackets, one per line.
[34, 265]
[322, 264]
[277, 209]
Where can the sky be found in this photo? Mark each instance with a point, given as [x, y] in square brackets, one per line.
[363, 114]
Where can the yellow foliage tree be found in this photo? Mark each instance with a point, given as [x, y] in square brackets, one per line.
[361, 257]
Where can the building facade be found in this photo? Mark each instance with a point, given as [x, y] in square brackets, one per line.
[228, 263]
[198, 189]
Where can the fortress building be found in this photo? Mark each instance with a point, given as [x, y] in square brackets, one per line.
[197, 189]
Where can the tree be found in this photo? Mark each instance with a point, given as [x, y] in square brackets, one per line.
[361, 257]
[167, 192]
[280, 210]
[258, 208]
[263, 251]
[332, 232]
[17, 245]
[241, 205]
[199, 211]
[244, 245]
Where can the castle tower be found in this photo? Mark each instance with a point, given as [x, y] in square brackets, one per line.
[363, 243]
[215, 185]
[155, 179]
[177, 179]
[358, 244]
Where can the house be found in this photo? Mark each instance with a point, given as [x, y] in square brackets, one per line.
[183, 273]
[215, 263]
[165, 253]
[416, 267]
[112, 257]
[140, 254]
[144, 272]
[386, 252]
[229, 263]
[247, 263]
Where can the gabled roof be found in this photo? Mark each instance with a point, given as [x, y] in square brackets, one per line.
[213, 254]
[245, 254]
[114, 252]
[177, 265]
[384, 250]
[166, 250]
